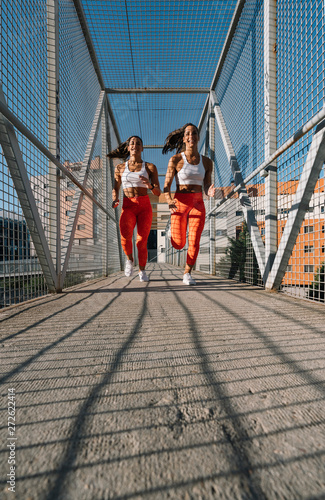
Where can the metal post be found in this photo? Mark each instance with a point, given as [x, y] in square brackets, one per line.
[54, 134]
[271, 224]
[105, 174]
[212, 220]
[110, 173]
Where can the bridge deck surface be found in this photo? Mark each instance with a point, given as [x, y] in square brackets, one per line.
[128, 390]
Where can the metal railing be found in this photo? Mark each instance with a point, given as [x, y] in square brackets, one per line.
[265, 120]
[56, 126]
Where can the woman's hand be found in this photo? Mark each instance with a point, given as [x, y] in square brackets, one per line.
[146, 181]
[172, 207]
[115, 203]
[211, 191]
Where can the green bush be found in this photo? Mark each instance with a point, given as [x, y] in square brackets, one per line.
[316, 289]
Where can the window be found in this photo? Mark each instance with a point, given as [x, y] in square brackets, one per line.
[308, 268]
[81, 227]
[163, 233]
[283, 211]
[67, 213]
[68, 198]
[308, 229]
[308, 248]
[239, 213]
[82, 212]
[323, 228]
[289, 268]
[262, 231]
[221, 250]
[323, 249]
[162, 250]
[322, 209]
[221, 232]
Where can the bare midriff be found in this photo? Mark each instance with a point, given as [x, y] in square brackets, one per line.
[189, 188]
[134, 192]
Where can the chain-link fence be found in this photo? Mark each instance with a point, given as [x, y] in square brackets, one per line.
[266, 139]
[56, 225]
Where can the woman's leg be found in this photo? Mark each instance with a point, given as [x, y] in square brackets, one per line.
[127, 225]
[144, 220]
[179, 224]
[196, 220]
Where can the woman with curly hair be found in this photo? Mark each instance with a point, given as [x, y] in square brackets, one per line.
[193, 174]
[136, 177]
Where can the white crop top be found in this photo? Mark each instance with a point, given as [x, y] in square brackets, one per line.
[191, 174]
[132, 179]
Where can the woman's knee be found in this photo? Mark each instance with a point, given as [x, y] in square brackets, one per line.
[178, 245]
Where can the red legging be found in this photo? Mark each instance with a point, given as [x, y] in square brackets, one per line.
[190, 207]
[138, 211]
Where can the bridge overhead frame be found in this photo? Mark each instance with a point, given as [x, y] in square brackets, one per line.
[259, 146]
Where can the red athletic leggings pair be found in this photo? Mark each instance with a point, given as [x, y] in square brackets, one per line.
[191, 209]
[136, 211]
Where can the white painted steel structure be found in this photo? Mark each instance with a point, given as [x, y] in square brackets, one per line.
[260, 133]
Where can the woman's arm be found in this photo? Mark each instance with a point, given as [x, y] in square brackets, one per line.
[117, 185]
[153, 183]
[209, 188]
[170, 174]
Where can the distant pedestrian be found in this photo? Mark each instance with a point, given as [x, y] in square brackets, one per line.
[193, 173]
[136, 177]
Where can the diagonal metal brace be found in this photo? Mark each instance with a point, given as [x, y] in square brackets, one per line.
[312, 168]
[16, 166]
[83, 176]
[245, 202]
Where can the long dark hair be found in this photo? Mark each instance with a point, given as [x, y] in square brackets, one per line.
[174, 140]
[122, 150]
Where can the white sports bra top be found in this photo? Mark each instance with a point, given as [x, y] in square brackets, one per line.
[132, 179]
[191, 174]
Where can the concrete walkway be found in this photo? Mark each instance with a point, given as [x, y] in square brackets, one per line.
[128, 390]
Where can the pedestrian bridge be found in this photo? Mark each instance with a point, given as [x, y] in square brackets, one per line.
[159, 390]
[116, 389]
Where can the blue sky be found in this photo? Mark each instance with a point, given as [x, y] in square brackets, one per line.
[157, 44]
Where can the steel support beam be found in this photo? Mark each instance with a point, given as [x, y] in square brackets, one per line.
[83, 177]
[54, 134]
[158, 90]
[245, 202]
[212, 221]
[315, 120]
[31, 137]
[15, 162]
[312, 168]
[109, 195]
[270, 132]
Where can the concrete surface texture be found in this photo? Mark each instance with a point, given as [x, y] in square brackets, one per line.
[129, 390]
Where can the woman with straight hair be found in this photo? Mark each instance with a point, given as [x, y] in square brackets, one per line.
[193, 174]
[136, 177]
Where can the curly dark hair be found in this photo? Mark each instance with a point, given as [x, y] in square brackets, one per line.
[122, 150]
[174, 140]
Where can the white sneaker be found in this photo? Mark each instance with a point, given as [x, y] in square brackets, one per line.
[143, 276]
[188, 280]
[128, 270]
